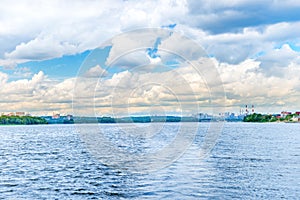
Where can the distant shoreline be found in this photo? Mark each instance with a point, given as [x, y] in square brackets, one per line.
[21, 120]
[263, 118]
[69, 119]
[24, 120]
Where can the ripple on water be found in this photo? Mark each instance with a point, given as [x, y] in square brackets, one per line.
[250, 161]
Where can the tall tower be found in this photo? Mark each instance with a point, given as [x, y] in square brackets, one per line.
[252, 109]
[246, 109]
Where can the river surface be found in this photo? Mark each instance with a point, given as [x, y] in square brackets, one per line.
[249, 161]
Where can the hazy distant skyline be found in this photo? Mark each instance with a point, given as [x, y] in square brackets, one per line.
[255, 46]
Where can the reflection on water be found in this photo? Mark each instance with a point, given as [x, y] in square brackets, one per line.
[250, 161]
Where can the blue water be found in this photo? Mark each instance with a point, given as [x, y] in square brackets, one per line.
[249, 161]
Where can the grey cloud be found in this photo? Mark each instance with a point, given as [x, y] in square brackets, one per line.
[233, 16]
[275, 62]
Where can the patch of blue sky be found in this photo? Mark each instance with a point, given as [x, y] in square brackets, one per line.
[66, 66]
[97, 56]
[152, 52]
[294, 46]
[172, 63]
[258, 54]
[57, 68]
[170, 26]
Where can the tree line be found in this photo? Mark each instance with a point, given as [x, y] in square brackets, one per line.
[21, 120]
[267, 118]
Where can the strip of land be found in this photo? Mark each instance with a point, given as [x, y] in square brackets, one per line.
[284, 117]
[21, 120]
[69, 119]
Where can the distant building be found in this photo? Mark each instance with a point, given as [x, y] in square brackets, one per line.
[277, 116]
[69, 117]
[204, 116]
[297, 113]
[296, 119]
[20, 114]
[285, 113]
[56, 116]
[58, 119]
[11, 114]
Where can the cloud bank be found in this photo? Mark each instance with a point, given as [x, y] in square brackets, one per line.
[254, 44]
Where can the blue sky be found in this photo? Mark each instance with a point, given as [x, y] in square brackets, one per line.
[254, 45]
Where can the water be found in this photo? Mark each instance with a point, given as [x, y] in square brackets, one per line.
[249, 161]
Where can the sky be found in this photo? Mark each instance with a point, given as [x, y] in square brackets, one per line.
[85, 57]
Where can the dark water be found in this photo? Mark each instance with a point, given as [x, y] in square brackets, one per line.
[249, 161]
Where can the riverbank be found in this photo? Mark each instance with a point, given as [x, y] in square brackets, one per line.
[263, 118]
[21, 120]
[29, 120]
